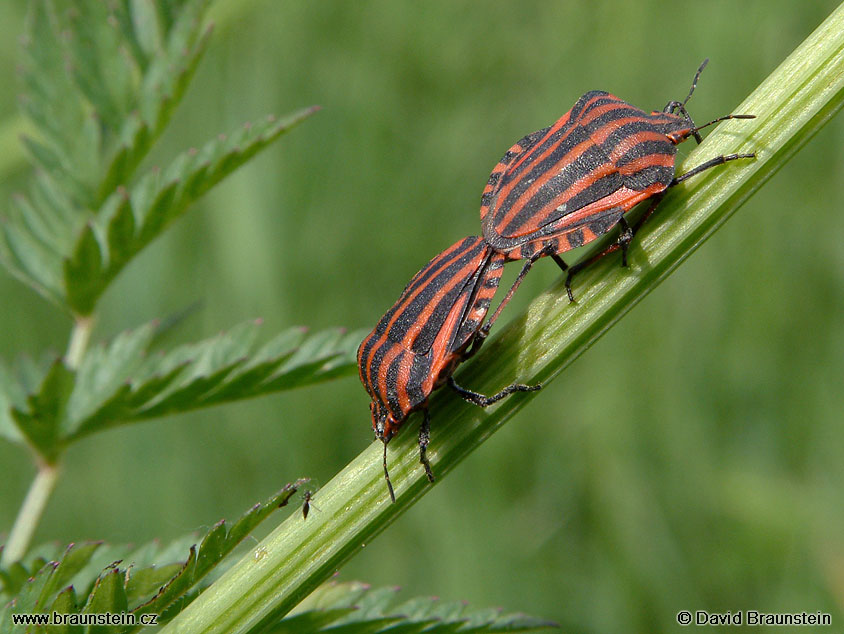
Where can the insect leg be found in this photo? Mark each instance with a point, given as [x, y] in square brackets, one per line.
[484, 331]
[560, 262]
[387, 475]
[482, 400]
[718, 160]
[622, 242]
[627, 232]
[424, 439]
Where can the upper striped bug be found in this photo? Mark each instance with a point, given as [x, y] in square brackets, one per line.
[435, 325]
[565, 185]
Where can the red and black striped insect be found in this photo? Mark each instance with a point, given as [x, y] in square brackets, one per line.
[435, 325]
[565, 185]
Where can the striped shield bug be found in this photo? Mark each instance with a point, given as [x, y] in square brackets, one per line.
[565, 185]
[435, 325]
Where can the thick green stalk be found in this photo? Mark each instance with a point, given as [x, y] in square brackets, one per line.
[78, 343]
[791, 106]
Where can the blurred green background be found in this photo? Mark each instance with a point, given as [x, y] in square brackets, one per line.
[692, 459]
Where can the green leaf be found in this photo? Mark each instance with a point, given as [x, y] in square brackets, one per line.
[145, 582]
[51, 99]
[129, 222]
[41, 420]
[120, 230]
[100, 89]
[12, 394]
[105, 371]
[163, 87]
[121, 384]
[355, 608]
[108, 596]
[307, 622]
[102, 81]
[75, 558]
[82, 287]
[216, 544]
[28, 258]
[104, 75]
[16, 574]
[114, 579]
[65, 603]
[12, 579]
[5, 618]
[52, 208]
[27, 600]
[56, 164]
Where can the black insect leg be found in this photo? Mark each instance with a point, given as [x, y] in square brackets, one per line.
[484, 331]
[477, 342]
[387, 474]
[628, 233]
[482, 400]
[424, 439]
[560, 262]
[624, 239]
[718, 160]
[622, 242]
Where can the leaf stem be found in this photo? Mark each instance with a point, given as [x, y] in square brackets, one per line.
[791, 106]
[30, 513]
[48, 473]
[79, 341]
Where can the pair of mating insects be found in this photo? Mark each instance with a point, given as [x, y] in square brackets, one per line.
[555, 190]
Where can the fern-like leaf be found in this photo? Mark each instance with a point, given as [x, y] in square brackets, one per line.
[33, 258]
[216, 544]
[169, 67]
[354, 608]
[40, 421]
[129, 220]
[102, 80]
[122, 383]
[120, 579]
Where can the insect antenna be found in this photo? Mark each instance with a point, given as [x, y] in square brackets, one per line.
[694, 81]
[724, 118]
[680, 106]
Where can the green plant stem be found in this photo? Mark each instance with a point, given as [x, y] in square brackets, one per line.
[791, 106]
[78, 341]
[45, 480]
[30, 513]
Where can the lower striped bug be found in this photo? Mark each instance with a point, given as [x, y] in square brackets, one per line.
[565, 185]
[435, 325]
